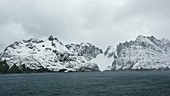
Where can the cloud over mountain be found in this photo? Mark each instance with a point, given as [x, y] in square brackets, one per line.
[101, 22]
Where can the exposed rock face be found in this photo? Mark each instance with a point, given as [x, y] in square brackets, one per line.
[87, 50]
[50, 54]
[109, 52]
[145, 53]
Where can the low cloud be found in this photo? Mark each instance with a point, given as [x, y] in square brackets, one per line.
[10, 33]
[100, 22]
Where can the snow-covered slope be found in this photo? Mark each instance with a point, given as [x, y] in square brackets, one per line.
[145, 53]
[50, 54]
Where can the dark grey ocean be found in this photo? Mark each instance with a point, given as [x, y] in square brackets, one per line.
[146, 83]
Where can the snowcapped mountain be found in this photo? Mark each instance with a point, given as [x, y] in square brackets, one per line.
[145, 53]
[50, 54]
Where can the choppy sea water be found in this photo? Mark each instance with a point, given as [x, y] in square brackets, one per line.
[86, 84]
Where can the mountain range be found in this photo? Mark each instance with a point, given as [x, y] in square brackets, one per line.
[51, 55]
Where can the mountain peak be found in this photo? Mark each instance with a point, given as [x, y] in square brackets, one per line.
[85, 44]
[51, 38]
[141, 38]
[109, 52]
[146, 38]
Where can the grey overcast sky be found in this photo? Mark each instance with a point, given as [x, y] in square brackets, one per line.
[100, 22]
